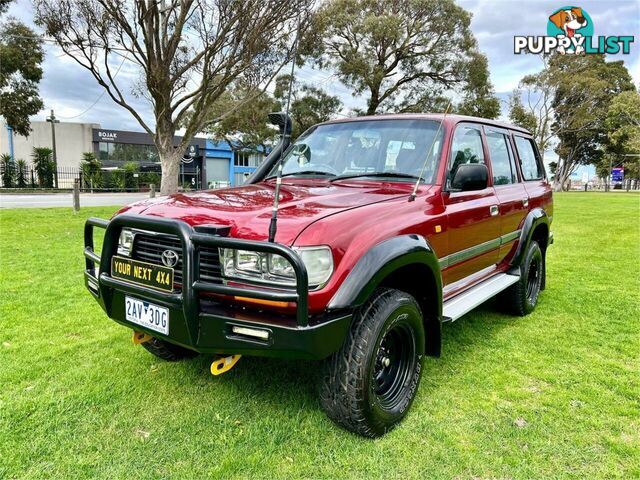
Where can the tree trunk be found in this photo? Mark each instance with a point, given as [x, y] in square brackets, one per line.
[170, 156]
[560, 178]
[170, 163]
[374, 100]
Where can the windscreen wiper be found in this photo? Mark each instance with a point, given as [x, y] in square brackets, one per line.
[377, 174]
[305, 172]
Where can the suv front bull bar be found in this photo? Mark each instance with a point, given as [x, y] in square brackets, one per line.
[300, 339]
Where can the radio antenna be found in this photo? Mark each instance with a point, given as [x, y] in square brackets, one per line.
[412, 197]
[273, 225]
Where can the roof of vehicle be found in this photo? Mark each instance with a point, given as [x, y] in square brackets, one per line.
[452, 118]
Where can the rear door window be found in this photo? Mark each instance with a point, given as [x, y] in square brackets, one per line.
[500, 155]
[530, 164]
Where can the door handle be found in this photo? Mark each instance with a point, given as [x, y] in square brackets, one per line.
[494, 210]
[525, 202]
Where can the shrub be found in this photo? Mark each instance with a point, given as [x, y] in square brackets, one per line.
[149, 178]
[91, 167]
[129, 169]
[22, 173]
[7, 170]
[44, 166]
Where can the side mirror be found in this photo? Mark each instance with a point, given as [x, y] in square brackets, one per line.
[470, 176]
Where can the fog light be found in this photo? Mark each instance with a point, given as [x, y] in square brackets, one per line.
[251, 332]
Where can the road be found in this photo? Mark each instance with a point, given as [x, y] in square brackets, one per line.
[47, 200]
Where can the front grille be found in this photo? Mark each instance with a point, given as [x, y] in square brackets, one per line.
[149, 247]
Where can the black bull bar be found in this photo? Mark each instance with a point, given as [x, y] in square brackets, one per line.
[204, 331]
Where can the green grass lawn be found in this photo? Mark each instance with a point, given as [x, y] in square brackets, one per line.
[555, 394]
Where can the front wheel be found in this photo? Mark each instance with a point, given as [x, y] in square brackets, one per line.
[370, 383]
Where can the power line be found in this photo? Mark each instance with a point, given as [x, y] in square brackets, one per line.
[99, 96]
[308, 77]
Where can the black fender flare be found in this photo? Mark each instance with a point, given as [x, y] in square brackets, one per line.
[534, 218]
[381, 261]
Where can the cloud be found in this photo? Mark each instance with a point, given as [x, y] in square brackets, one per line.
[495, 22]
[70, 90]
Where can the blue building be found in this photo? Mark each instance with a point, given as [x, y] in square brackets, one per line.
[222, 164]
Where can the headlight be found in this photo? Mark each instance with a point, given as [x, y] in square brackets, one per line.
[125, 243]
[273, 268]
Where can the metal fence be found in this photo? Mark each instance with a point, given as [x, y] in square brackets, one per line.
[29, 176]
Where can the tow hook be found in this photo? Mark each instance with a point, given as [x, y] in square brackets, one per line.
[140, 337]
[223, 364]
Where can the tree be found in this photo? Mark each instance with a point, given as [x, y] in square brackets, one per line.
[309, 105]
[585, 87]
[402, 54]
[623, 134]
[247, 127]
[187, 54]
[535, 112]
[623, 122]
[566, 103]
[478, 96]
[21, 55]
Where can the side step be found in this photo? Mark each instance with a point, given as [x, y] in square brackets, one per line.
[463, 303]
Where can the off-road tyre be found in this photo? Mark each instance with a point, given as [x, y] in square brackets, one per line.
[521, 298]
[355, 391]
[168, 351]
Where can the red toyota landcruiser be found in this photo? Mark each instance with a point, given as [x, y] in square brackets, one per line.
[385, 227]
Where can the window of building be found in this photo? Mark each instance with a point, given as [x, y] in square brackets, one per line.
[247, 159]
[531, 165]
[126, 152]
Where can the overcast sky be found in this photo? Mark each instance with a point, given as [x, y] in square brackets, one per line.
[74, 95]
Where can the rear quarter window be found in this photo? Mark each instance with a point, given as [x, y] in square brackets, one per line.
[530, 164]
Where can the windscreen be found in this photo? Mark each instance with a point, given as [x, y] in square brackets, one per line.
[402, 149]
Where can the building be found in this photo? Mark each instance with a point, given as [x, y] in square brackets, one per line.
[72, 139]
[206, 163]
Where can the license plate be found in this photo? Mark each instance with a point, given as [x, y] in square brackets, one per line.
[147, 314]
[149, 275]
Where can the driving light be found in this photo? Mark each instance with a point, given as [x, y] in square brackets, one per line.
[125, 243]
[251, 332]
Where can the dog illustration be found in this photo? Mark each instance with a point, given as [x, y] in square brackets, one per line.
[569, 21]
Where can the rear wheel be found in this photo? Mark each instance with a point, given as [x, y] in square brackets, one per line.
[370, 383]
[168, 351]
[522, 297]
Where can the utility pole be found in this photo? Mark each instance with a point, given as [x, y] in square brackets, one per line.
[52, 119]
